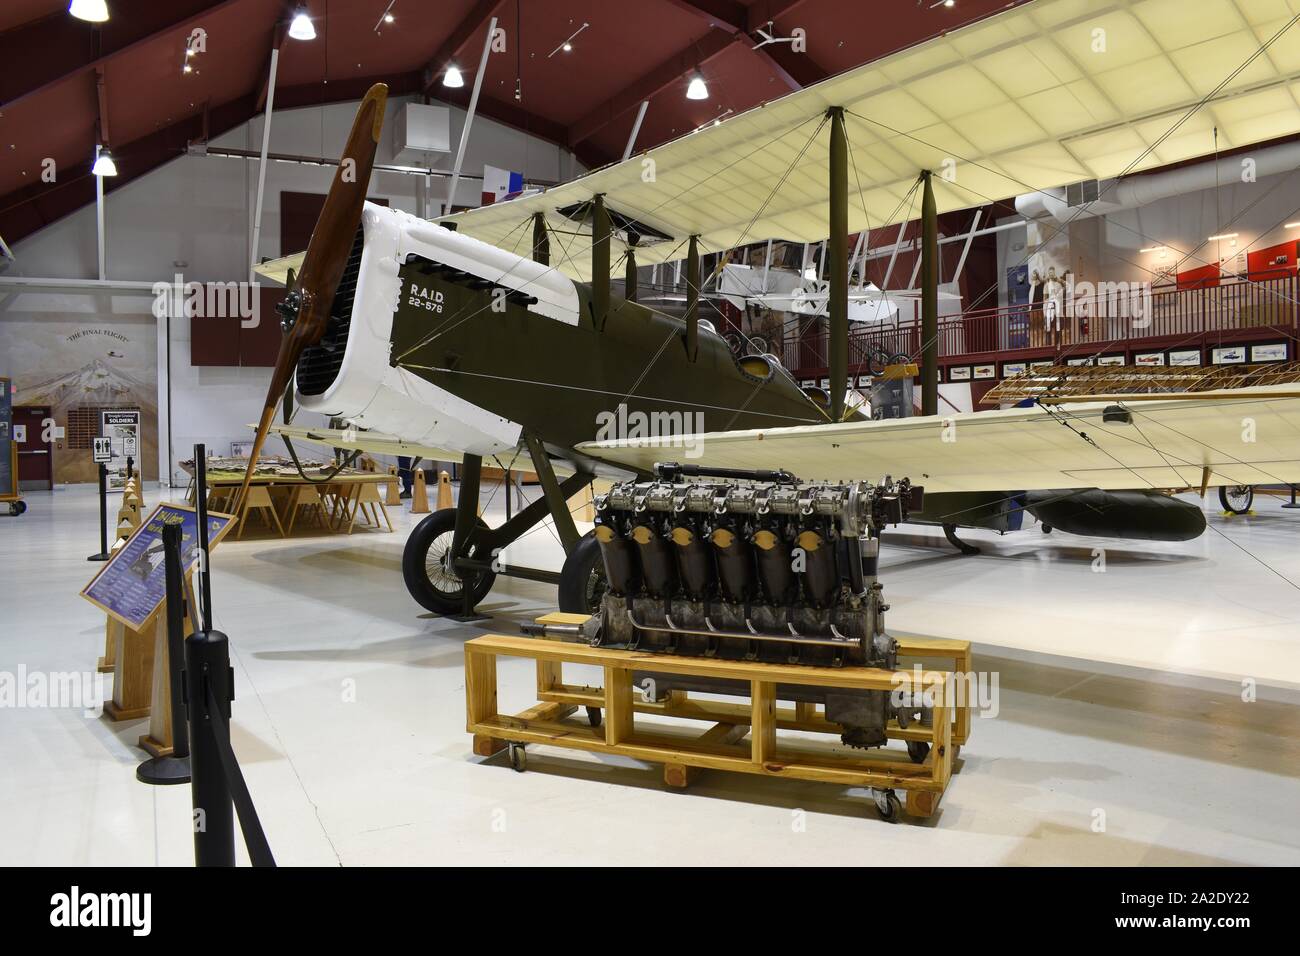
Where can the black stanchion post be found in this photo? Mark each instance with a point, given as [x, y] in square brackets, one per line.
[201, 515]
[208, 683]
[103, 515]
[175, 768]
[130, 467]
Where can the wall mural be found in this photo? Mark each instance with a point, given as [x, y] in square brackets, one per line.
[83, 355]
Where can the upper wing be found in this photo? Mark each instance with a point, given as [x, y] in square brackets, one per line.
[1167, 444]
[1018, 102]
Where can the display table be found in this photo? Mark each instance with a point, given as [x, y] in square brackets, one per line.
[335, 504]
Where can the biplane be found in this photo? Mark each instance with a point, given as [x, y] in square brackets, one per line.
[492, 334]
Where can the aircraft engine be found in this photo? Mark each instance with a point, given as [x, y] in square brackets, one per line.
[766, 568]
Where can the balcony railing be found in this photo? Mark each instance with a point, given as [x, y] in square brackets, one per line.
[1111, 319]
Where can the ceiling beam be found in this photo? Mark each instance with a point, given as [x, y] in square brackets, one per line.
[795, 70]
[657, 79]
[474, 21]
[46, 51]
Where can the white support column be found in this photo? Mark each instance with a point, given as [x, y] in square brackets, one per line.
[970, 237]
[469, 115]
[636, 128]
[767, 264]
[893, 256]
[99, 220]
[261, 166]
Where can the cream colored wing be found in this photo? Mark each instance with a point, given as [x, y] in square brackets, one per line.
[355, 439]
[1011, 104]
[277, 270]
[1167, 444]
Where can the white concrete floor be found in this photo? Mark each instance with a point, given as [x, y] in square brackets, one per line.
[1121, 736]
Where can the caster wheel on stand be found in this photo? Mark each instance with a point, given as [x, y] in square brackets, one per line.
[888, 805]
[518, 758]
[918, 750]
[593, 716]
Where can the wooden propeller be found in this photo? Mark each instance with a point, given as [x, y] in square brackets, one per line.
[307, 307]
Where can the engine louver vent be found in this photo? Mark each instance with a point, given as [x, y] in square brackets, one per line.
[320, 363]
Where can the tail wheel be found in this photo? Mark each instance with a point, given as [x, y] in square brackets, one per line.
[427, 566]
[1236, 499]
[582, 579]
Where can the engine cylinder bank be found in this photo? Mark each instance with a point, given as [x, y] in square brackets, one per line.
[720, 576]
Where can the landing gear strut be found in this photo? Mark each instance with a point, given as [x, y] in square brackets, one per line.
[950, 532]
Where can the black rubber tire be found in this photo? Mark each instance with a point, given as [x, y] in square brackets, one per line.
[582, 579]
[918, 750]
[17, 507]
[426, 593]
[1234, 509]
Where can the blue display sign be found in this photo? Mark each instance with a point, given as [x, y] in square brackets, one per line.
[133, 584]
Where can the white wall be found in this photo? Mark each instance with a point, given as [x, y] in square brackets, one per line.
[194, 216]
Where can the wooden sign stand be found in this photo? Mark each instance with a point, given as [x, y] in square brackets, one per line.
[420, 494]
[444, 491]
[158, 742]
[132, 670]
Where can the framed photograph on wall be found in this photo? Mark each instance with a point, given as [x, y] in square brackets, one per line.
[984, 371]
[1185, 357]
[1078, 361]
[1149, 358]
[1012, 369]
[1271, 352]
[1228, 355]
[959, 373]
[1110, 360]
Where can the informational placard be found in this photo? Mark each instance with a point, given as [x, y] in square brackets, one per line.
[129, 446]
[101, 450]
[120, 424]
[132, 585]
[8, 473]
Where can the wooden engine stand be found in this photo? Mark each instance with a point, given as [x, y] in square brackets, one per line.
[742, 738]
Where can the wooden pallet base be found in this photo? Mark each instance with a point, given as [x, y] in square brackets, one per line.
[741, 737]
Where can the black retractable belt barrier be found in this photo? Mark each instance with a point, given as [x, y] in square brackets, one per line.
[103, 554]
[175, 768]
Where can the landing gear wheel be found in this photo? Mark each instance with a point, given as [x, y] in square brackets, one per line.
[888, 805]
[518, 758]
[582, 579]
[593, 716]
[950, 532]
[918, 750]
[426, 566]
[1237, 499]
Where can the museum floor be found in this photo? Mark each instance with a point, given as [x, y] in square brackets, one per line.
[1181, 769]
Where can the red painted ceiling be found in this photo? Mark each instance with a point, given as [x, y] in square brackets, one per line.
[64, 81]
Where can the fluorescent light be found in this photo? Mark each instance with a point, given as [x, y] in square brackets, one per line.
[1292, 225]
[92, 11]
[453, 78]
[696, 90]
[301, 27]
[104, 165]
[1226, 235]
[1153, 249]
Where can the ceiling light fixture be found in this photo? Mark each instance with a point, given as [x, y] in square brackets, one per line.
[104, 165]
[452, 77]
[1292, 225]
[92, 11]
[301, 28]
[567, 45]
[696, 89]
[1226, 235]
[386, 16]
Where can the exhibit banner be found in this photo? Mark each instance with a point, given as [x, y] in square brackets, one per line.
[132, 585]
[122, 428]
